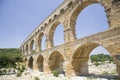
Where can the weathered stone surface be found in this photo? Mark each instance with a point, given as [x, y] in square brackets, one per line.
[72, 56]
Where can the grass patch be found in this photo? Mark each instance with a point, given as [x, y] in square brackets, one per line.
[55, 73]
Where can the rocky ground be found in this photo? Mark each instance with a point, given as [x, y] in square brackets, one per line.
[104, 68]
[106, 71]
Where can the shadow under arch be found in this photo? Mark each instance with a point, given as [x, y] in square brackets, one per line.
[52, 32]
[81, 56]
[40, 61]
[30, 62]
[56, 61]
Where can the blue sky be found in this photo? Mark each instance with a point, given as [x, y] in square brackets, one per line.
[18, 18]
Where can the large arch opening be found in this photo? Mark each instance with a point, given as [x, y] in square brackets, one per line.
[56, 62]
[30, 62]
[57, 34]
[40, 60]
[32, 47]
[102, 61]
[41, 41]
[89, 18]
[87, 61]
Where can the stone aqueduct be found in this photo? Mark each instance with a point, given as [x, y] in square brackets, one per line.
[74, 53]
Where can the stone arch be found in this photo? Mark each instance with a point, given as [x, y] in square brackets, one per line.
[45, 24]
[41, 28]
[55, 16]
[81, 48]
[50, 20]
[55, 61]
[81, 56]
[40, 36]
[52, 31]
[26, 49]
[32, 46]
[78, 9]
[38, 30]
[30, 62]
[62, 11]
[35, 33]
[40, 61]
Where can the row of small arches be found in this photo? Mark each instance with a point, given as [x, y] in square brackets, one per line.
[56, 60]
[50, 20]
[39, 39]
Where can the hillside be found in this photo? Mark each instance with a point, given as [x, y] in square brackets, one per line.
[100, 58]
[9, 56]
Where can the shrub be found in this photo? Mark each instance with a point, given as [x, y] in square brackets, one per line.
[8, 57]
[20, 67]
[18, 74]
[97, 63]
[55, 73]
[36, 78]
[101, 58]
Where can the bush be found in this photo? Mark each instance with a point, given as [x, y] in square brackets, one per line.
[55, 73]
[8, 57]
[36, 78]
[97, 63]
[20, 67]
[101, 58]
[18, 74]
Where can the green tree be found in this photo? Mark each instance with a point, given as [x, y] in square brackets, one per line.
[9, 57]
[101, 58]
